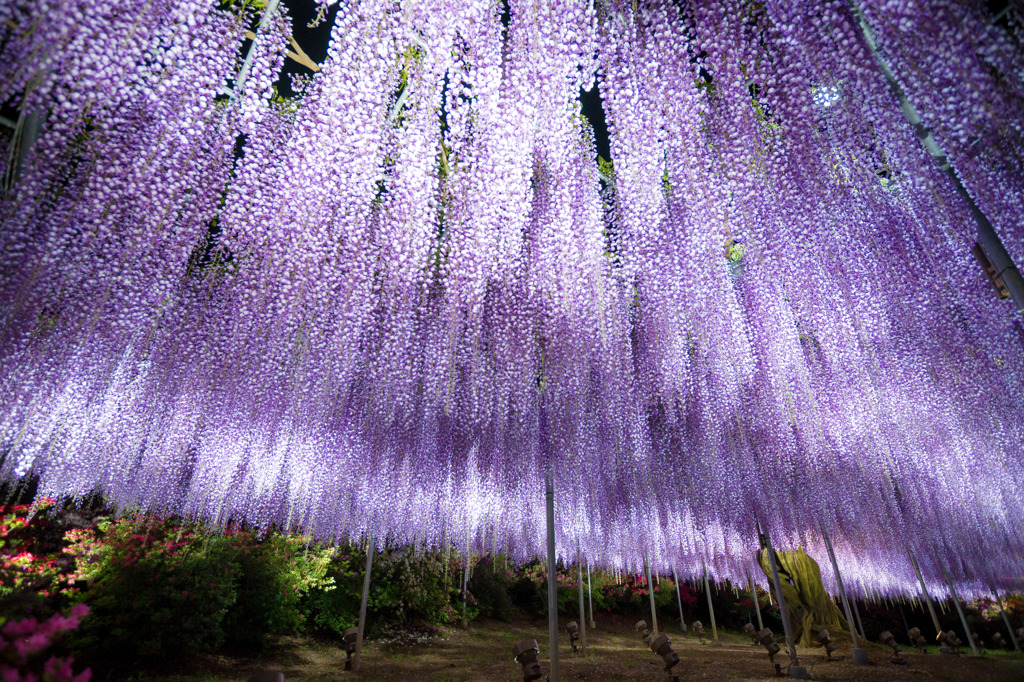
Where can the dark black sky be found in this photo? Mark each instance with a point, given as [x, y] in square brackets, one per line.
[314, 43]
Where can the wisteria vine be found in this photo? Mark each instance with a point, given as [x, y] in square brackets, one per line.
[395, 301]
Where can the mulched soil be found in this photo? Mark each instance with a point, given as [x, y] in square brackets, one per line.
[614, 652]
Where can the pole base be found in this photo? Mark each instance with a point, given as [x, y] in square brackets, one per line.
[860, 656]
[592, 625]
[798, 672]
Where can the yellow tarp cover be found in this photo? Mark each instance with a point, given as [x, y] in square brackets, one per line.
[810, 607]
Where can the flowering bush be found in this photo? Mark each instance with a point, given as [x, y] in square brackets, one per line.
[29, 575]
[157, 589]
[23, 645]
[164, 589]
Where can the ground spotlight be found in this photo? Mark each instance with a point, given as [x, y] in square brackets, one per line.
[889, 640]
[525, 654]
[349, 636]
[574, 635]
[645, 632]
[767, 640]
[698, 629]
[950, 642]
[822, 638]
[917, 639]
[661, 646]
[751, 632]
[998, 641]
[978, 641]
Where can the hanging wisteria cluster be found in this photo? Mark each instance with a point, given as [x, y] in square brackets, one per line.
[396, 301]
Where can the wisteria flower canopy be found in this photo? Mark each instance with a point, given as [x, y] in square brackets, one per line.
[398, 299]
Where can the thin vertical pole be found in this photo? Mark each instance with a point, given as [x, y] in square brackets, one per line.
[711, 609]
[924, 593]
[650, 594]
[243, 73]
[679, 600]
[860, 623]
[842, 590]
[959, 610]
[783, 611]
[552, 579]
[583, 608]
[1013, 637]
[757, 602]
[590, 597]
[362, 605]
[465, 580]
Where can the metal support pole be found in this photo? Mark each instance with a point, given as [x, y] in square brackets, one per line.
[1013, 637]
[711, 608]
[552, 579]
[924, 592]
[465, 580]
[757, 602]
[362, 605]
[987, 236]
[583, 608]
[860, 656]
[959, 610]
[679, 600]
[650, 594]
[860, 623]
[796, 671]
[243, 73]
[590, 596]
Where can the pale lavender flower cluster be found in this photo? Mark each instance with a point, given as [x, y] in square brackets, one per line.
[411, 291]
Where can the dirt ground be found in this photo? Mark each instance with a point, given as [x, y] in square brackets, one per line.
[614, 652]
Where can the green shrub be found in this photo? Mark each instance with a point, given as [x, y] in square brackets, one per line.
[161, 590]
[156, 590]
[408, 585]
[489, 586]
[276, 573]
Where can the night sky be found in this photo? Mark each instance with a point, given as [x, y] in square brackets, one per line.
[314, 43]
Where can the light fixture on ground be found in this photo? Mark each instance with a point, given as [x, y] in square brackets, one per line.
[766, 639]
[1020, 633]
[662, 646]
[751, 632]
[698, 629]
[889, 640]
[978, 641]
[822, 638]
[998, 641]
[350, 636]
[645, 632]
[525, 654]
[917, 639]
[574, 635]
[950, 643]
